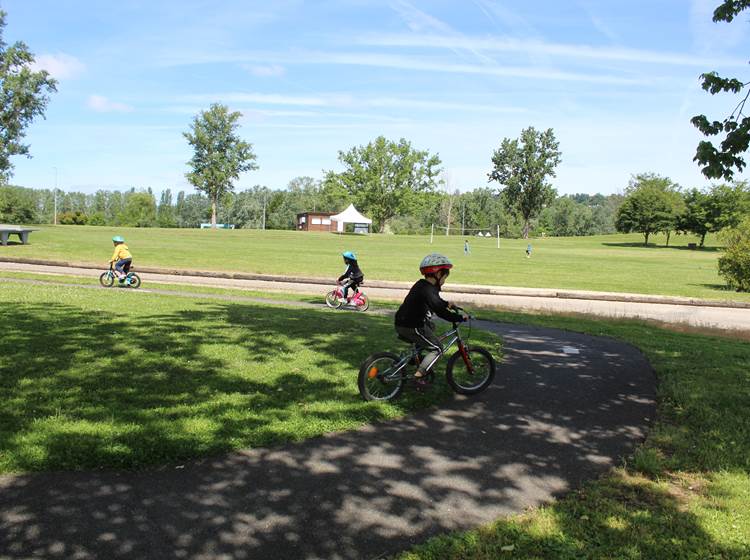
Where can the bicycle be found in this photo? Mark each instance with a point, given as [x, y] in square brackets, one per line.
[469, 371]
[131, 280]
[358, 299]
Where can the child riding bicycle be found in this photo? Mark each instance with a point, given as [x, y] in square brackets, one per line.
[414, 318]
[121, 258]
[353, 276]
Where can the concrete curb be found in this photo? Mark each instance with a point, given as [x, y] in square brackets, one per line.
[454, 288]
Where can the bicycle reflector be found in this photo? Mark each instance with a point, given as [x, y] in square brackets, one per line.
[372, 373]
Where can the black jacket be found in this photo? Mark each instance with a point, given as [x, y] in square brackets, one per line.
[423, 299]
[352, 271]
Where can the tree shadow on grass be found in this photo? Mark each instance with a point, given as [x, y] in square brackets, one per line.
[704, 249]
[717, 287]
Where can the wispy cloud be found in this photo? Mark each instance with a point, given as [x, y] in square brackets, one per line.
[563, 50]
[419, 21]
[401, 62]
[343, 101]
[426, 64]
[416, 19]
[101, 104]
[60, 65]
[259, 98]
[266, 70]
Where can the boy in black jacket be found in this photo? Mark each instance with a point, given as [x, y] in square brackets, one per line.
[413, 318]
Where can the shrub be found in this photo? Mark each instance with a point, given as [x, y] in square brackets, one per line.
[734, 265]
[72, 219]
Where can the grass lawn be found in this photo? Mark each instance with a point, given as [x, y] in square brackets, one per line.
[126, 379]
[604, 263]
[684, 494]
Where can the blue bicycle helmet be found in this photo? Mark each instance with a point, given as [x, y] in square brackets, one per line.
[118, 239]
[349, 255]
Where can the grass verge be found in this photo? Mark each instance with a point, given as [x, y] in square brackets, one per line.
[684, 493]
[126, 379]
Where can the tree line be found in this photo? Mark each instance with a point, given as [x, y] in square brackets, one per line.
[481, 209]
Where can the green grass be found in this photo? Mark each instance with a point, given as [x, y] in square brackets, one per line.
[603, 263]
[125, 379]
[684, 493]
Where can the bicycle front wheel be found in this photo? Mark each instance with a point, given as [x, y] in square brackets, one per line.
[106, 279]
[375, 380]
[332, 301]
[471, 374]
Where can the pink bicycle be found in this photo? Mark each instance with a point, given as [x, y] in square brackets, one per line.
[355, 299]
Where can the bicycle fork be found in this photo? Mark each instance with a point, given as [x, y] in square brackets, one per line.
[466, 358]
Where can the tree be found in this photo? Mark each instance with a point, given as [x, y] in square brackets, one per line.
[165, 210]
[734, 264]
[648, 206]
[723, 206]
[566, 217]
[219, 154]
[17, 205]
[139, 211]
[696, 218]
[381, 176]
[23, 95]
[522, 168]
[722, 161]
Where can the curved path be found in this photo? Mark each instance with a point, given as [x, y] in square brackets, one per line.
[565, 407]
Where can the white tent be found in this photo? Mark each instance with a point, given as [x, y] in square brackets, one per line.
[351, 216]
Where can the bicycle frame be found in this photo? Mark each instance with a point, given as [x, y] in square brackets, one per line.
[455, 337]
[111, 273]
[353, 297]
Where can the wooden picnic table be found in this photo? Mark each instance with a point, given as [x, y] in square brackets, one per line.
[21, 232]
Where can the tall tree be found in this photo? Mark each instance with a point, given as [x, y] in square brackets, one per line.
[23, 95]
[165, 210]
[381, 175]
[648, 206]
[220, 155]
[697, 217]
[522, 168]
[722, 161]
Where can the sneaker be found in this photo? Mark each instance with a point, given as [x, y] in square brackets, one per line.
[422, 383]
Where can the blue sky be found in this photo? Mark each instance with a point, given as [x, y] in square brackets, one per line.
[617, 80]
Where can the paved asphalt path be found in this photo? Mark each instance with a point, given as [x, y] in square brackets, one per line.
[565, 407]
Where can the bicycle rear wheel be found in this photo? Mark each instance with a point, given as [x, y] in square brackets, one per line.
[106, 279]
[374, 382]
[472, 377]
[363, 303]
[134, 280]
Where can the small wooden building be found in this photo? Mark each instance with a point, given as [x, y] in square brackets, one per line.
[314, 221]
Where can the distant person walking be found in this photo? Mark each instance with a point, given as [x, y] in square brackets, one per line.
[528, 251]
[466, 247]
